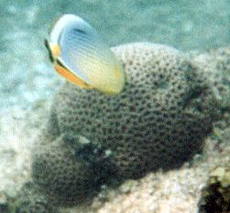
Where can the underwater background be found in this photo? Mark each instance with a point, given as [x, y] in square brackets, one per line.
[28, 82]
[25, 71]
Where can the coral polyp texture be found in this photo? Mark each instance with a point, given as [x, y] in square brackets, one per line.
[159, 121]
[68, 174]
[30, 199]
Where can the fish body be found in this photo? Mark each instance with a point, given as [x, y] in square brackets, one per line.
[82, 57]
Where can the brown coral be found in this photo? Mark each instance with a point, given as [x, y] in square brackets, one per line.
[159, 121]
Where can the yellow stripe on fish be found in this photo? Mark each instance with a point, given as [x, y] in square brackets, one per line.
[61, 70]
[81, 56]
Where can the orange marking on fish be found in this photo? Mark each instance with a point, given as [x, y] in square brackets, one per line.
[70, 76]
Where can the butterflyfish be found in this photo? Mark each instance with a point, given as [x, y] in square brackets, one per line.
[81, 56]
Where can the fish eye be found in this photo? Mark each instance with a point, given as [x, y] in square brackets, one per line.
[46, 43]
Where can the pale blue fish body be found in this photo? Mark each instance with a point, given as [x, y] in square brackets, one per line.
[84, 53]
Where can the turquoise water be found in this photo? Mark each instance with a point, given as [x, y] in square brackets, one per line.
[25, 72]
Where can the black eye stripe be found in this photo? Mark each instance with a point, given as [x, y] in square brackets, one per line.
[49, 51]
